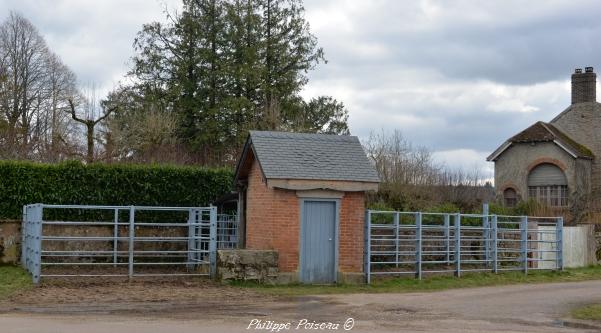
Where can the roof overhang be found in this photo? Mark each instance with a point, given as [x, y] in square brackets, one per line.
[569, 151]
[495, 155]
[499, 151]
[245, 162]
[313, 184]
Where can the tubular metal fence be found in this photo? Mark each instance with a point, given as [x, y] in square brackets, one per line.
[123, 241]
[416, 243]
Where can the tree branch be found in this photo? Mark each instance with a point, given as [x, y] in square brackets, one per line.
[73, 114]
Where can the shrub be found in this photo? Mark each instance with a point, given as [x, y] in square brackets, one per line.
[101, 184]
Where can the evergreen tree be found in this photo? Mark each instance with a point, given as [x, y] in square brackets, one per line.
[227, 66]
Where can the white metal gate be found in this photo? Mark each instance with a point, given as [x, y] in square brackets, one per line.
[126, 241]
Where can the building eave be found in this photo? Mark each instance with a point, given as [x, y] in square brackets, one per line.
[499, 151]
[566, 149]
[248, 149]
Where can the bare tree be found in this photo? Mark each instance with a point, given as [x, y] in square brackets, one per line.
[412, 179]
[92, 116]
[142, 131]
[34, 86]
[57, 134]
[23, 55]
[147, 136]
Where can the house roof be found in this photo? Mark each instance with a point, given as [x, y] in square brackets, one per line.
[545, 132]
[578, 107]
[283, 155]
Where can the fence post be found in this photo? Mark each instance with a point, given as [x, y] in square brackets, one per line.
[368, 246]
[213, 243]
[191, 238]
[447, 238]
[495, 254]
[29, 239]
[559, 240]
[23, 236]
[524, 243]
[396, 237]
[132, 212]
[418, 245]
[486, 234]
[37, 243]
[458, 245]
[115, 237]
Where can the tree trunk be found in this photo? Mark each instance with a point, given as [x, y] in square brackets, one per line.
[90, 136]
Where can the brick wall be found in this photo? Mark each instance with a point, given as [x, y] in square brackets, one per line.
[352, 222]
[272, 220]
[273, 223]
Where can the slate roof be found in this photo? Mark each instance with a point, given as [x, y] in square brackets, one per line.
[284, 155]
[545, 132]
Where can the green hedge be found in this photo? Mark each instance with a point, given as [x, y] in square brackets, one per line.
[100, 184]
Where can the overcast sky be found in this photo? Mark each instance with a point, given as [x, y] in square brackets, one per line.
[458, 77]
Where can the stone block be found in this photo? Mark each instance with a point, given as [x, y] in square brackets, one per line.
[247, 265]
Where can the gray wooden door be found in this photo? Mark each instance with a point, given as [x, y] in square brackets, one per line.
[318, 242]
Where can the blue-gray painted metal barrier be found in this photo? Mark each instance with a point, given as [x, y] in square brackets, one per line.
[132, 242]
[417, 243]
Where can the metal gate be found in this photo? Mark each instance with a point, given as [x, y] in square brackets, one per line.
[123, 241]
[416, 243]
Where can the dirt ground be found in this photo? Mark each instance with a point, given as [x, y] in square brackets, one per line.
[184, 306]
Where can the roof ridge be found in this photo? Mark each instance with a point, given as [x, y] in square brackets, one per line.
[547, 126]
[519, 136]
[303, 136]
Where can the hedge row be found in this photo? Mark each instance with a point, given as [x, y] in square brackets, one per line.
[100, 184]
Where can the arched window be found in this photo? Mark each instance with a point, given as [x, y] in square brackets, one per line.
[548, 185]
[510, 197]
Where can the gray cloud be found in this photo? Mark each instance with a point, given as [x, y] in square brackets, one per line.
[458, 77]
[94, 38]
[455, 76]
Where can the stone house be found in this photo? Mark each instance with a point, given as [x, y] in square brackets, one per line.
[556, 163]
[303, 195]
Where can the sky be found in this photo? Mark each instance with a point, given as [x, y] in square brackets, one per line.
[458, 77]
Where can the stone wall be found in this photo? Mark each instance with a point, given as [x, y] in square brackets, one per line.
[10, 239]
[10, 242]
[581, 122]
[247, 265]
[512, 167]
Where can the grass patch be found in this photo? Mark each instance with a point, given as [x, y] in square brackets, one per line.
[12, 280]
[434, 283]
[589, 312]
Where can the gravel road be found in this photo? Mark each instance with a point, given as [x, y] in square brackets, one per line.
[518, 308]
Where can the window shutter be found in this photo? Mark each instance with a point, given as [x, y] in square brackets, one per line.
[546, 174]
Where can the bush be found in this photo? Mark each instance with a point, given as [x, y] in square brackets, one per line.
[74, 183]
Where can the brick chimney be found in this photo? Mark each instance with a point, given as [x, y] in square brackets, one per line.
[584, 86]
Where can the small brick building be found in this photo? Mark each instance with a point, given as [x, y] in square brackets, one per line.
[556, 163]
[303, 195]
